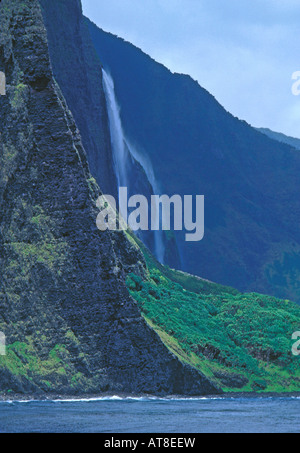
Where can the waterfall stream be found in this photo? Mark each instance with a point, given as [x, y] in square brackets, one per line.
[124, 154]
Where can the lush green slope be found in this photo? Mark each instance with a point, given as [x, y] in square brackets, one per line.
[241, 341]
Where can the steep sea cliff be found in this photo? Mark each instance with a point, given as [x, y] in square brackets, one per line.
[70, 324]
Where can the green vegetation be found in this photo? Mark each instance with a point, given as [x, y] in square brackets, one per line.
[241, 341]
[49, 370]
[18, 97]
[189, 282]
[21, 359]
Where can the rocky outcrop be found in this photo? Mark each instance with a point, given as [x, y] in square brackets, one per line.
[70, 323]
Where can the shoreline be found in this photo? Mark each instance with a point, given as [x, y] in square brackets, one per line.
[123, 397]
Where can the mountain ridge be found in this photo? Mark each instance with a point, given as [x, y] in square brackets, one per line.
[292, 141]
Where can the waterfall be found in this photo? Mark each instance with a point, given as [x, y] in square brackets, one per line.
[124, 153]
[116, 131]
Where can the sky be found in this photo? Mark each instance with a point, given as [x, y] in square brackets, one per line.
[243, 52]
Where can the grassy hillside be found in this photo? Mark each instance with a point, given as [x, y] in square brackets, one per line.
[240, 341]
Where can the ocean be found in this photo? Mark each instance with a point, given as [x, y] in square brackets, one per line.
[153, 415]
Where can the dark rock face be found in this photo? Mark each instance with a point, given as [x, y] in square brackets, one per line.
[77, 70]
[231, 380]
[71, 325]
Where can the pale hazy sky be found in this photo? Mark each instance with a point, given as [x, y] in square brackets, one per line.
[243, 51]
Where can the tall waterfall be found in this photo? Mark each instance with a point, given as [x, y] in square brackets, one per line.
[124, 153]
[116, 131]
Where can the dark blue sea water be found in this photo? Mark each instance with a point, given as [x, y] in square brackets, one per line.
[153, 415]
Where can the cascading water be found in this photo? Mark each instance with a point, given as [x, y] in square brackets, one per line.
[124, 154]
[116, 131]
